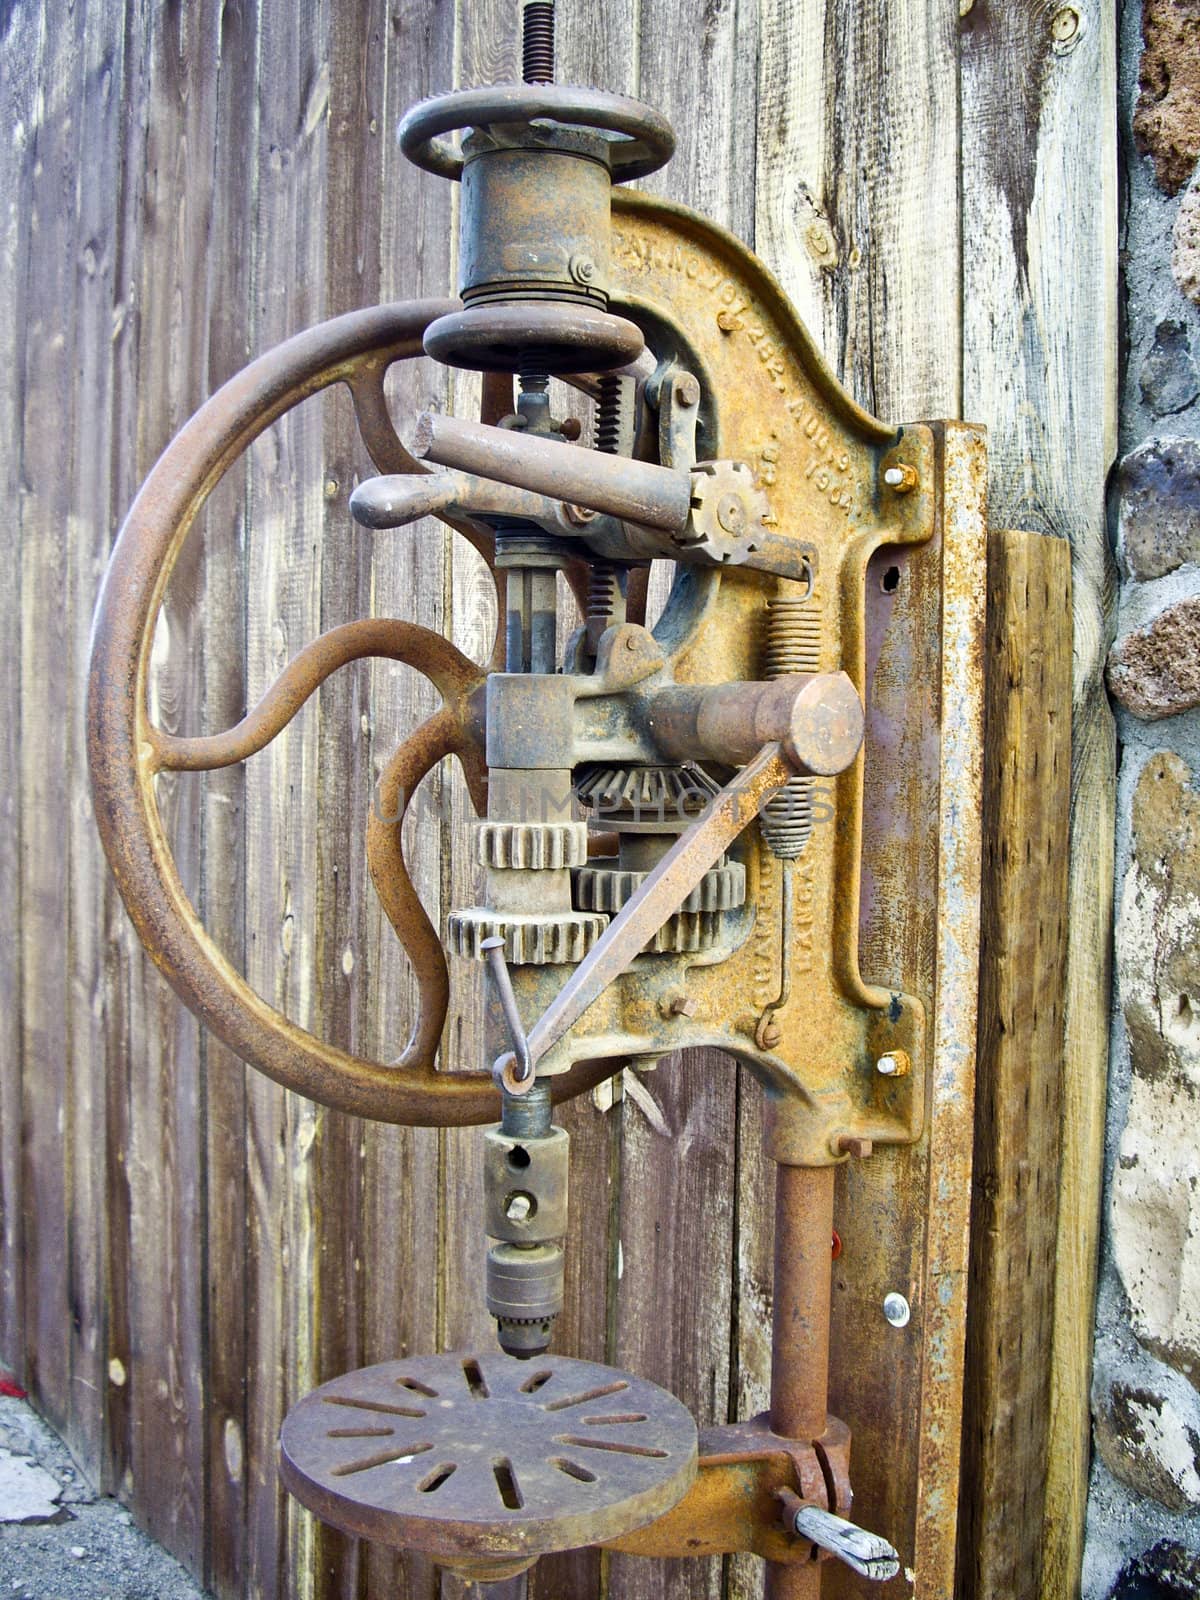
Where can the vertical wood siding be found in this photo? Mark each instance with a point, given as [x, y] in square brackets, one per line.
[184, 1248]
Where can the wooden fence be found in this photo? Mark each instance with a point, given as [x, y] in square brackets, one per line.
[184, 1248]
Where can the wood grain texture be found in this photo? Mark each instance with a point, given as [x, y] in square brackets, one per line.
[1040, 353]
[24, 43]
[1010, 1326]
[222, 603]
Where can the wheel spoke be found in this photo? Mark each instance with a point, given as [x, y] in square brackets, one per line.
[451, 672]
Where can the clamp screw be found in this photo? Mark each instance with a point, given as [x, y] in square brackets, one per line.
[519, 1208]
[896, 1310]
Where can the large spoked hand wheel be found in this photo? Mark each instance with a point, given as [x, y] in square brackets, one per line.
[126, 750]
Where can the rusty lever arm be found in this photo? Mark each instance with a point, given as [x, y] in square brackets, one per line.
[667, 886]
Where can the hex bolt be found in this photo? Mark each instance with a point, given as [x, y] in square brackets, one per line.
[901, 479]
[682, 1005]
[896, 1309]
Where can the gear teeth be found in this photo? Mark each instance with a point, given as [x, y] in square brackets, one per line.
[608, 888]
[529, 940]
[646, 794]
[540, 846]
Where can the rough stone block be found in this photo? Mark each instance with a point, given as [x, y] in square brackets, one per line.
[1154, 671]
[1148, 1444]
[1168, 1571]
[1166, 121]
[1158, 499]
[1155, 1204]
[1168, 378]
[1185, 255]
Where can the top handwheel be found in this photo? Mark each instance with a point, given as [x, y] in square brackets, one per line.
[636, 139]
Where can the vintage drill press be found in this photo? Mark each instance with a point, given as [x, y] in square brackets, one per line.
[681, 836]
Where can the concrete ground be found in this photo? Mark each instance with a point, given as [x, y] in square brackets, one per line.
[61, 1541]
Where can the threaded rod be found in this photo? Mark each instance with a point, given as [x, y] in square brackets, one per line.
[537, 41]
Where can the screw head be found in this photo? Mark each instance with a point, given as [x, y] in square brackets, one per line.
[687, 389]
[896, 1309]
[893, 1064]
[583, 269]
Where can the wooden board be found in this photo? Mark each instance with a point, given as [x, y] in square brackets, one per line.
[1040, 370]
[1018, 1143]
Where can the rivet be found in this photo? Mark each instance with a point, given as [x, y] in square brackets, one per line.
[896, 1310]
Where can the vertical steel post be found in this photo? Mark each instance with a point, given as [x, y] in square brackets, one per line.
[800, 1333]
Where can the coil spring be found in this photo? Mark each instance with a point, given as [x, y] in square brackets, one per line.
[537, 42]
[793, 644]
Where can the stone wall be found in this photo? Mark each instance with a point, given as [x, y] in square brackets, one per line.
[1144, 1510]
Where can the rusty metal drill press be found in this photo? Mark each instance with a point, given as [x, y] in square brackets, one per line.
[673, 820]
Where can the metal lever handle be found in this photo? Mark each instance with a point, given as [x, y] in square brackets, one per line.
[868, 1554]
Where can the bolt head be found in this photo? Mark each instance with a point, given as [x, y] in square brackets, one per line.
[683, 1006]
[687, 389]
[897, 1310]
[583, 269]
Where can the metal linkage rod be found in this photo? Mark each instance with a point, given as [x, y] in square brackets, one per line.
[616, 485]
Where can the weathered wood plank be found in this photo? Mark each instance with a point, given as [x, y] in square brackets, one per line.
[89, 455]
[401, 1167]
[1027, 767]
[1040, 352]
[355, 59]
[222, 603]
[44, 503]
[856, 192]
[24, 42]
[283, 561]
[166, 1441]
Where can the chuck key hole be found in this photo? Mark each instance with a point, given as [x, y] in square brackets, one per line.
[519, 1158]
